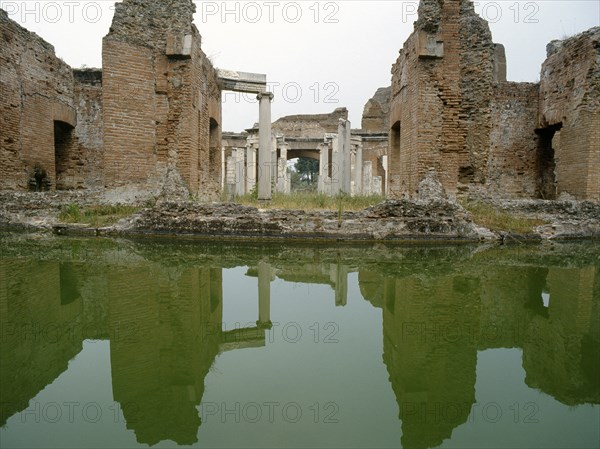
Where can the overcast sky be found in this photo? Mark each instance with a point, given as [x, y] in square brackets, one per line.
[318, 55]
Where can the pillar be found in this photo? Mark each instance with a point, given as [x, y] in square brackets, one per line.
[367, 174]
[240, 172]
[264, 295]
[338, 175]
[358, 173]
[264, 146]
[282, 183]
[377, 185]
[324, 182]
[347, 185]
[230, 181]
[250, 168]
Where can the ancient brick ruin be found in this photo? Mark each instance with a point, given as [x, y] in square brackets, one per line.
[152, 115]
[453, 113]
[50, 116]
[150, 119]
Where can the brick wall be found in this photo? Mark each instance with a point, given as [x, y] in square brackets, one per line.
[512, 169]
[36, 89]
[160, 98]
[309, 125]
[452, 111]
[570, 102]
[441, 92]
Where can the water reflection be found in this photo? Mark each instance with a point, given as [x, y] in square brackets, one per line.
[161, 308]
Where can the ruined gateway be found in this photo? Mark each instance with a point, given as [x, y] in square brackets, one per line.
[150, 120]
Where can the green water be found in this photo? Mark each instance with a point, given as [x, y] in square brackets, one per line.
[126, 344]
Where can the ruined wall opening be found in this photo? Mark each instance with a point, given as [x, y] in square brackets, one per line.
[545, 161]
[395, 140]
[466, 175]
[394, 163]
[213, 141]
[63, 144]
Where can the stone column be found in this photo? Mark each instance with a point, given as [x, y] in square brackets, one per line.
[338, 167]
[282, 184]
[358, 166]
[367, 183]
[264, 296]
[223, 170]
[384, 163]
[323, 167]
[230, 181]
[264, 146]
[347, 184]
[250, 168]
[240, 172]
[377, 187]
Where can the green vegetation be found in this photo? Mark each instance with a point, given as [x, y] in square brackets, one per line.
[96, 216]
[495, 219]
[312, 201]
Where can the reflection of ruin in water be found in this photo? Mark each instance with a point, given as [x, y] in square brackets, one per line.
[162, 309]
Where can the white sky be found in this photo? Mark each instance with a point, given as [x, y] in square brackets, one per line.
[318, 55]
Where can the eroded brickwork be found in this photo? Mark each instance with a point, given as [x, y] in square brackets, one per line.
[513, 157]
[454, 113]
[313, 126]
[162, 102]
[36, 93]
[570, 106]
[440, 115]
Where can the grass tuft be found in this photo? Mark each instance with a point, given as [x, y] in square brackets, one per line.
[97, 216]
[500, 221]
[312, 201]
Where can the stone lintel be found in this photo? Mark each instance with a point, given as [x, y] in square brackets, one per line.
[254, 83]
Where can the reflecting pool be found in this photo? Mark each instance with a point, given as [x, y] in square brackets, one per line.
[120, 343]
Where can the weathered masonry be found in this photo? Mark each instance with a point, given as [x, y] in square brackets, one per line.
[150, 119]
[50, 116]
[151, 116]
[453, 112]
[161, 99]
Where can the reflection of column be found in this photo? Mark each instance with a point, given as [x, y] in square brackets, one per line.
[264, 151]
[264, 295]
[358, 166]
[367, 188]
[341, 284]
[250, 168]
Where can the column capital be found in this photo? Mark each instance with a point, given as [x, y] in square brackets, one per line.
[262, 95]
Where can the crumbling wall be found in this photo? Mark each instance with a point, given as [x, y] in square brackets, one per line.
[376, 112]
[313, 126]
[570, 107]
[79, 151]
[161, 100]
[36, 100]
[512, 168]
[374, 131]
[440, 115]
